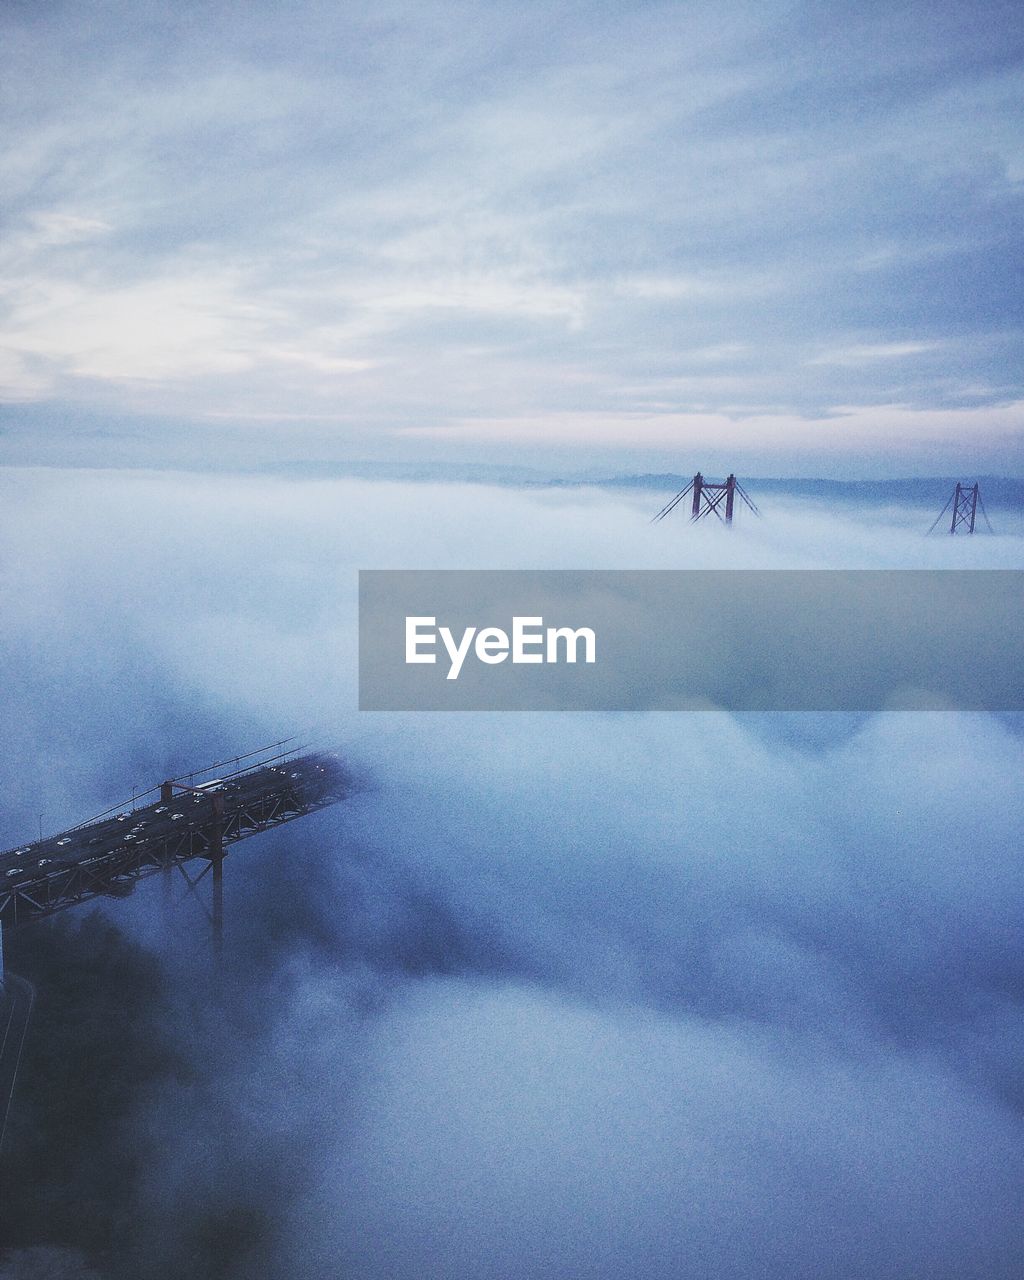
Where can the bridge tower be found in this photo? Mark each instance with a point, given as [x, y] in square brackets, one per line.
[710, 498]
[214, 856]
[965, 501]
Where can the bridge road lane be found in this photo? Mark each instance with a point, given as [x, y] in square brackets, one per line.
[92, 846]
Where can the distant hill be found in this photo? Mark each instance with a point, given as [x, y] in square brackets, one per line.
[996, 491]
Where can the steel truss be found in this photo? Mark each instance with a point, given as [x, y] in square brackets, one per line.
[113, 871]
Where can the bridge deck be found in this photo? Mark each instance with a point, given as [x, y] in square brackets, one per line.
[107, 857]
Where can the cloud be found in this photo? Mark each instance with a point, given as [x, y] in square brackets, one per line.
[884, 351]
[616, 995]
[545, 205]
[507, 1130]
[856, 431]
[152, 331]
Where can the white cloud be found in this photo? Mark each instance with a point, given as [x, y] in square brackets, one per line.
[864, 353]
[683, 987]
[559, 207]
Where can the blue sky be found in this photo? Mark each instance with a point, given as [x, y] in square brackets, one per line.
[639, 236]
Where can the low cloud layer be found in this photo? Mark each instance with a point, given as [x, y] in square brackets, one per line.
[595, 995]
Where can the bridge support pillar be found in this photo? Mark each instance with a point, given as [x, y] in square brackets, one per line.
[218, 910]
[217, 869]
[167, 898]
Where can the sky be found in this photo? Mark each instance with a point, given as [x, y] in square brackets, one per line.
[781, 238]
[601, 995]
[613, 995]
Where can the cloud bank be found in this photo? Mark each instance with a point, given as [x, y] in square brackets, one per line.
[600, 995]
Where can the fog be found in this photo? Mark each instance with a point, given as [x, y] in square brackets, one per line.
[593, 995]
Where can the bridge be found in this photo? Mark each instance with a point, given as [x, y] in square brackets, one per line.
[184, 821]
